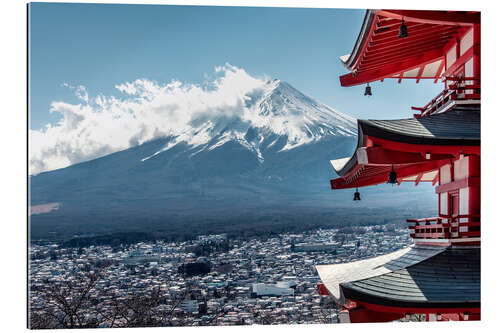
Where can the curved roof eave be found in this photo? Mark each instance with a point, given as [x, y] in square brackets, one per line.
[334, 275]
[343, 165]
[453, 128]
[363, 34]
[425, 284]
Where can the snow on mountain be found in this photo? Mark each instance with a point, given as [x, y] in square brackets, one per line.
[269, 154]
[227, 105]
[278, 110]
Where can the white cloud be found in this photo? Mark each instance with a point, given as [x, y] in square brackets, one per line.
[149, 110]
[224, 106]
[80, 91]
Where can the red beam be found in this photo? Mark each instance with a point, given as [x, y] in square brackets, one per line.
[477, 59]
[438, 73]
[401, 51]
[394, 56]
[463, 183]
[378, 156]
[396, 77]
[351, 79]
[405, 310]
[420, 72]
[466, 87]
[438, 220]
[434, 181]
[388, 23]
[393, 42]
[429, 35]
[415, 32]
[461, 79]
[431, 149]
[383, 32]
[433, 16]
[380, 175]
[467, 96]
[362, 315]
[474, 50]
[419, 178]
[470, 233]
[391, 64]
[394, 62]
[400, 54]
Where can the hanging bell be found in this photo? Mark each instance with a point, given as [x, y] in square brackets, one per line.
[392, 177]
[368, 90]
[357, 196]
[403, 31]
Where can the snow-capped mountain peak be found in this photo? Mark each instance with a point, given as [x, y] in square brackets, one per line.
[275, 112]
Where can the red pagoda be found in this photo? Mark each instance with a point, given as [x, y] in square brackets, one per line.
[438, 276]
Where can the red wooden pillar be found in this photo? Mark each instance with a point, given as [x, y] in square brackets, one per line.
[477, 57]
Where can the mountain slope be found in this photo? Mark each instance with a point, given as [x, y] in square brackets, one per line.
[272, 154]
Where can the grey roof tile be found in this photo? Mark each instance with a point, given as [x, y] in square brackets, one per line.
[457, 125]
[449, 277]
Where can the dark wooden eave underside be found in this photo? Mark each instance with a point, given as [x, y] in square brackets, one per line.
[378, 52]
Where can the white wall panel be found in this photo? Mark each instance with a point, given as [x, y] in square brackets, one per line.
[445, 174]
[464, 203]
[443, 197]
[469, 72]
[412, 73]
[431, 69]
[461, 168]
[429, 176]
[466, 41]
[451, 57]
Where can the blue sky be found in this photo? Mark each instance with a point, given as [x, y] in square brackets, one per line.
[100, 46]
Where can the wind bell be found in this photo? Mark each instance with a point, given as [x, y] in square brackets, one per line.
[368, 90]
[393, 178]
[403, 31]
[357, 196]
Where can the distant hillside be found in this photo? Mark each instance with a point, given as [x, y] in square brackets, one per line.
[222, 171]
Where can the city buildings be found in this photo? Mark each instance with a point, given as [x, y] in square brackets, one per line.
[221, 297]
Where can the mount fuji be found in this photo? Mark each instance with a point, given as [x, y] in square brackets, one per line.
[271, 155]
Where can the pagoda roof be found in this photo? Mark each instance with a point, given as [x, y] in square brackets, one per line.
[415, 147]
[416, 277]
[457, 127]
[450, 279]
[334, 275]
[379, 53]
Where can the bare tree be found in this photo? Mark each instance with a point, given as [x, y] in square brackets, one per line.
[219, 312]
[69, 304]
[147, 309]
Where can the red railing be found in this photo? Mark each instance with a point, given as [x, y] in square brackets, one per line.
[465, 88]
[446, 227]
